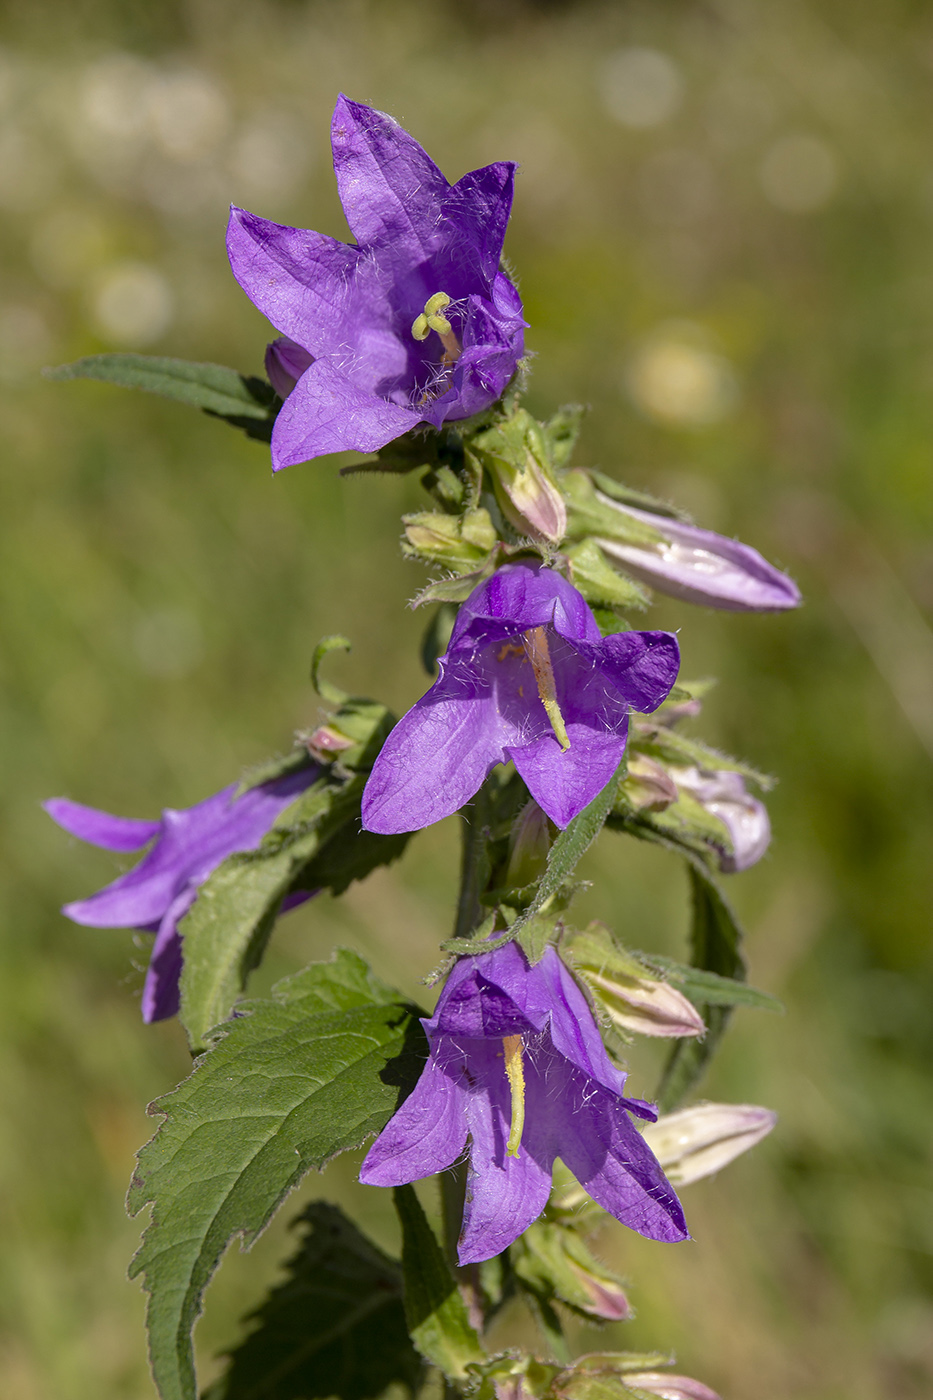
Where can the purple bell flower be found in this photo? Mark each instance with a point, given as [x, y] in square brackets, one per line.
[517, 1065]
[700, 566]
[414, 323]
[528, 676]
[189, 845]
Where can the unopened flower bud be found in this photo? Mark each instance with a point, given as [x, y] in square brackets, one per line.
[698, 1141]
[648, 785]
[626, 991]
[665, 552]
[459, 542]
[327, 742]
[724, 795]
[552, 1258]
[670, 1387]
[286, 362]
[514, 453]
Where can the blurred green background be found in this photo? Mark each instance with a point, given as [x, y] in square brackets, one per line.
[723, 234]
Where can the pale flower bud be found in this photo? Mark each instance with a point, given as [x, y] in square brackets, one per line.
[670, 1387]
[327, 742]
[514, 453]
[648, 785]
[626, 992]
[698, 1141]
[529, 844]
[724, 795]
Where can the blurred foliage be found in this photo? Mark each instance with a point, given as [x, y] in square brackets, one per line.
[725, 249]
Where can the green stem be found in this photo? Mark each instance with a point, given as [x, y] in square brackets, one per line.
[474, 862]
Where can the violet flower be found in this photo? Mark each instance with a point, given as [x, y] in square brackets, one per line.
[189, 845]
[517, 1065]
[529, 677]
[414, 323]
[700, 566]
[724, 795]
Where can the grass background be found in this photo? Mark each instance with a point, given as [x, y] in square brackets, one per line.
[162, 594]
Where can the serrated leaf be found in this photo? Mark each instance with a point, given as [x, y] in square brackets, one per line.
[335, 1326]
[225, 931]
[243, 400]
[715, 946]
[437, 1317]
[313, 1071]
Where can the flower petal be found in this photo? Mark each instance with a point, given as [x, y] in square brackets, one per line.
[563, 782]
[390, 188]
[574, 1033]
[478, 207]
[304, 282]
[490, 996]
[162, 987]
[519, 596]
[100, 828]
[326, 412]
[611, 1160]
[428, 1133]
[437, 755]
[642, 665]
[504, 1194]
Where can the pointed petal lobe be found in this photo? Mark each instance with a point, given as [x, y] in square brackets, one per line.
[100, 828]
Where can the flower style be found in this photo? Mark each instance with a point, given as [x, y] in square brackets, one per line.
[414, 323]
[518, 1066]
[188, 846]
[529, 677]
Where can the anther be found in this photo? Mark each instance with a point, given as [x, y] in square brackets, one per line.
[514, 1068]
[432, 319]
[536, 648]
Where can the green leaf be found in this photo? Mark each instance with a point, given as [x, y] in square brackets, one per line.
[226, 930]
[716, 940]
[437, 1317]
[708, 987]
[244, 401]
[334, 1326]
[295, 1079]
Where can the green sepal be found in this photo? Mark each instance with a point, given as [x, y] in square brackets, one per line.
[437, 1316]
[593, 576]
[639, 500]
[334, 1326]
[459, 542]
[295, 1079]
[561, 432]
[669, 746]
[715, 946]
[282, 766]
[327, 691]
[243, 401]
[708, 988]
[588, 515]
[552, 1261]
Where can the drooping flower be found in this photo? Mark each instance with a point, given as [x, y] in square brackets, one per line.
[517, 1065]
[529, 677]
[188, 845]
[724, 795]
[414, 323]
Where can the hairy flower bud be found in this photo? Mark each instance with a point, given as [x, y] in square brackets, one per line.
[648, 785]
[698, 1141]
[458, 542]
[514, 453]
[551, 1258]
[626, 991]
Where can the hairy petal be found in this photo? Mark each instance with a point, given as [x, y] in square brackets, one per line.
[519, 596]
[326, 412]
[643, 666]
[477, 210]
[100, 828]
[428, 1133]
[390, 188]
[304, 282]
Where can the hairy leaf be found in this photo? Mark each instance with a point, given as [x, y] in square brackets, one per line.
[334, 1326]
[243, 400]
[313, 1071]
[437, 1317]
